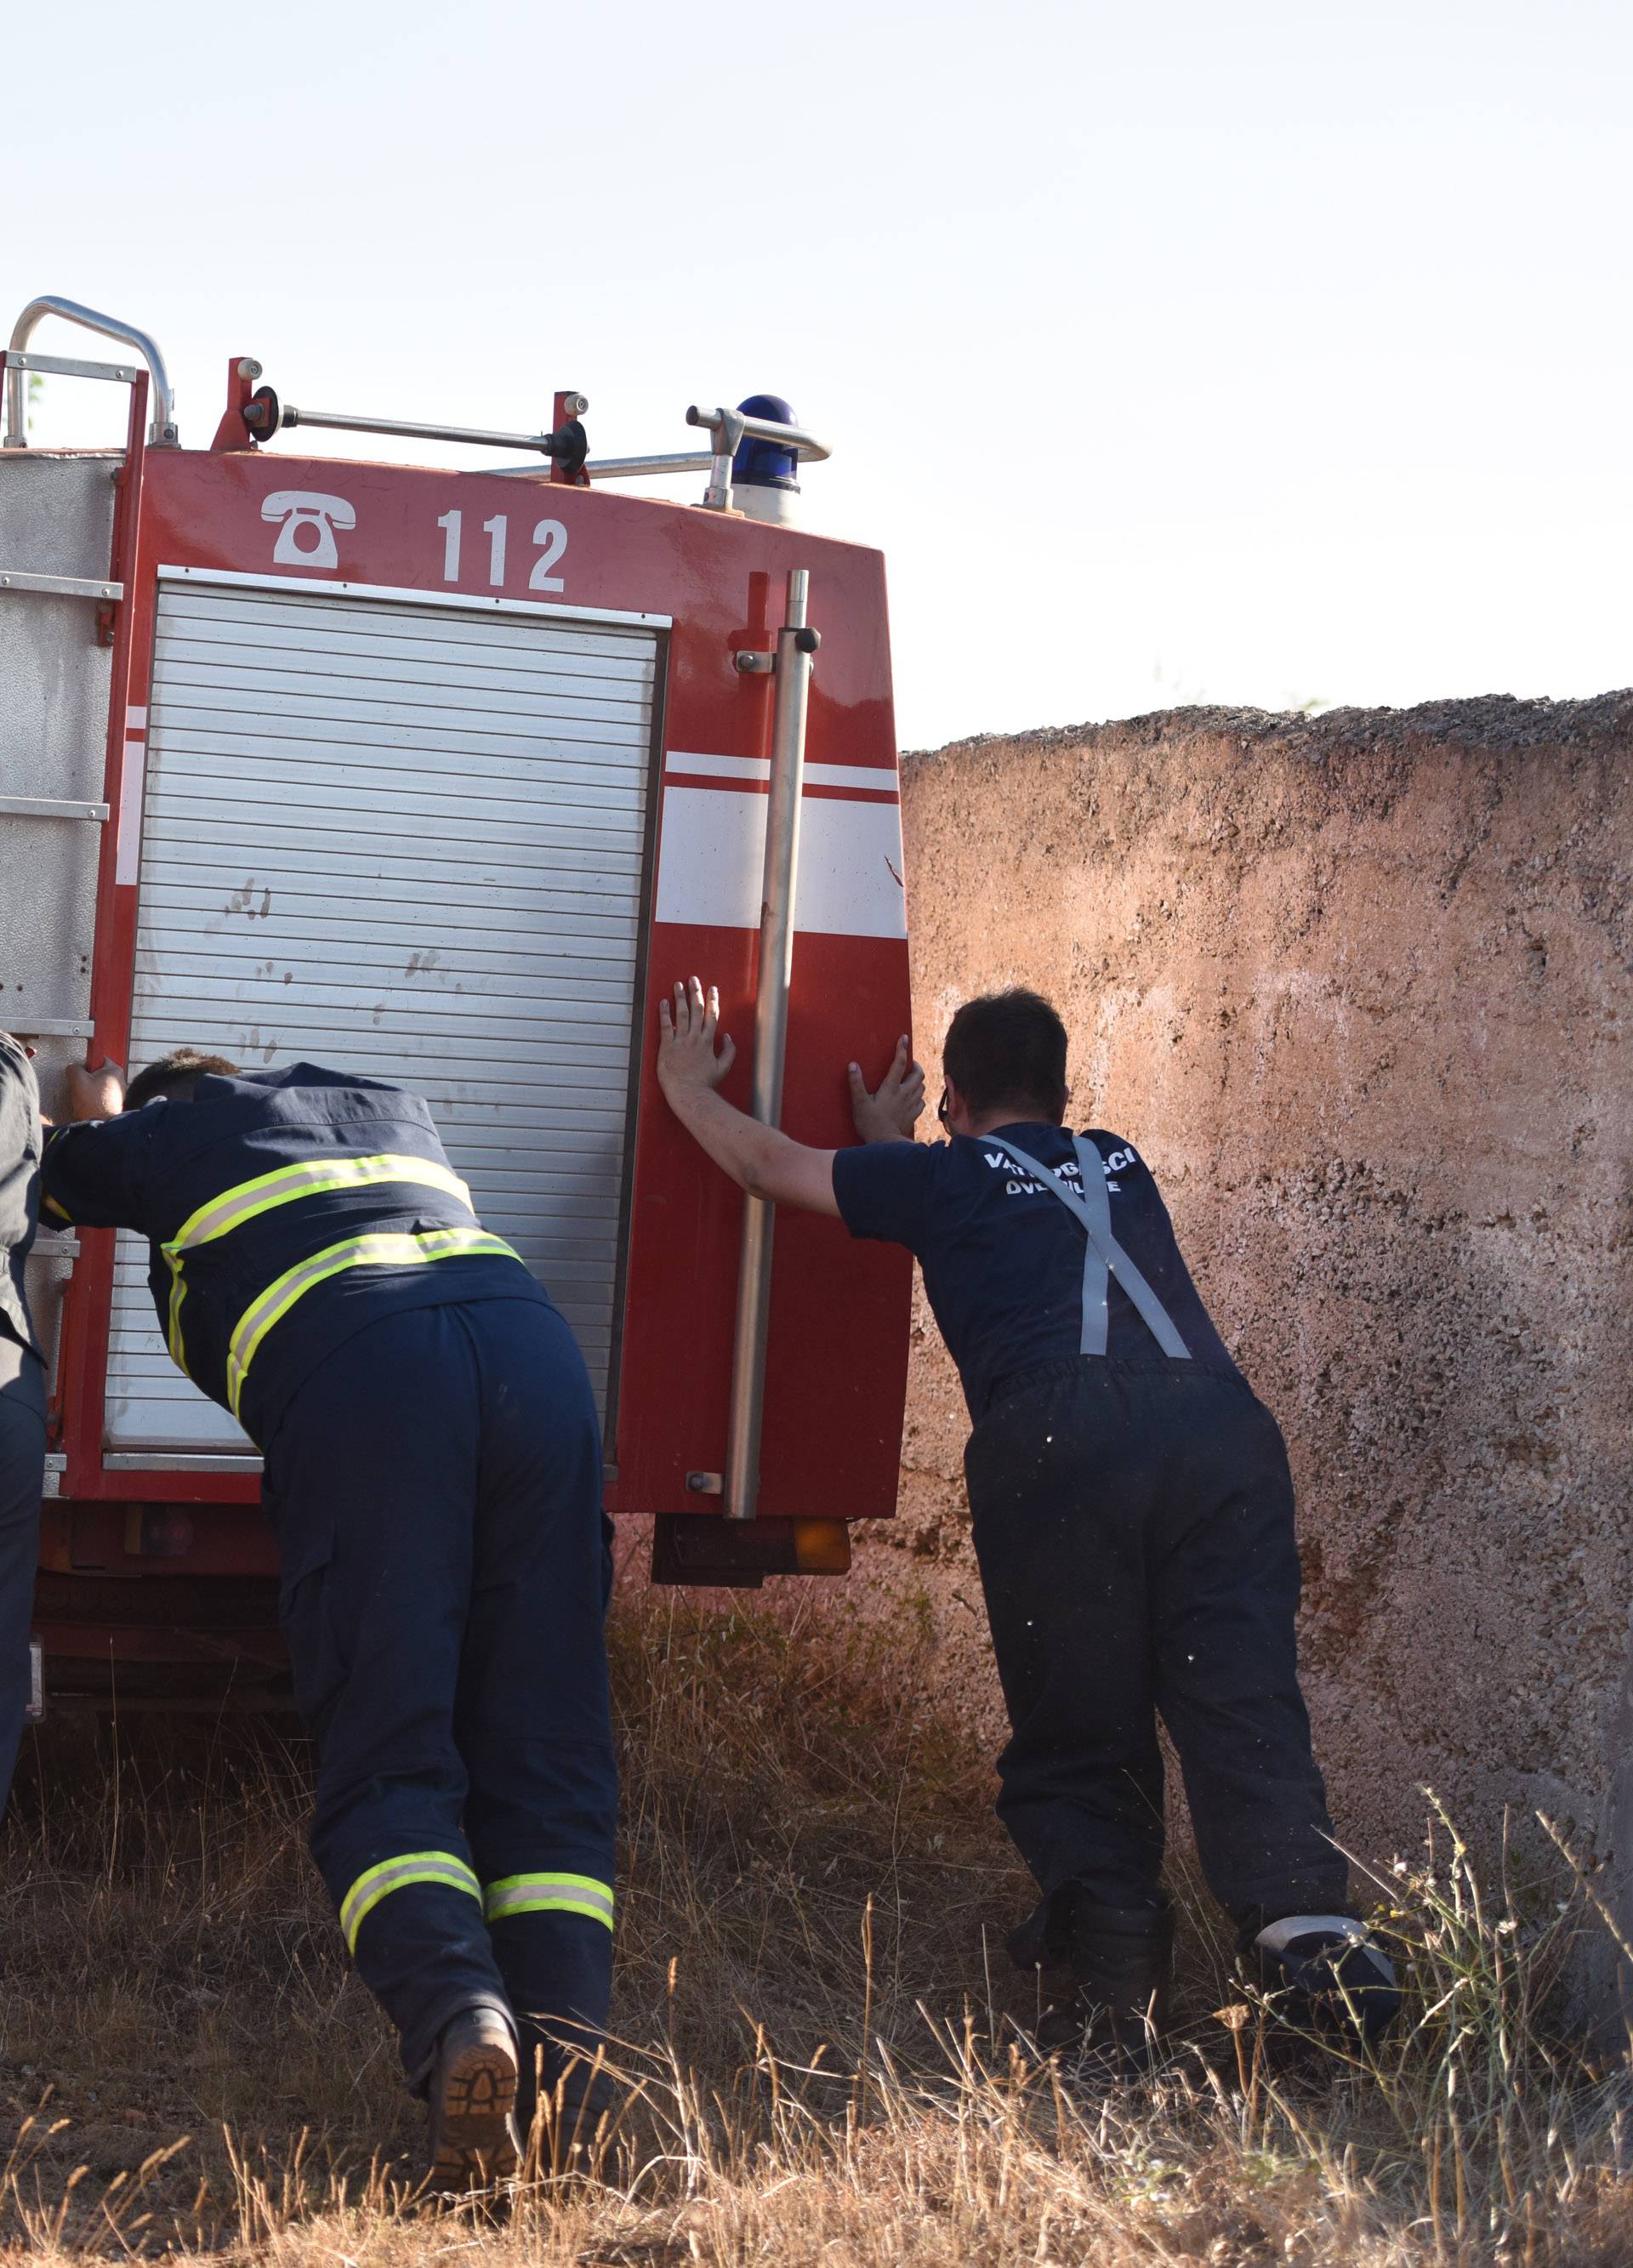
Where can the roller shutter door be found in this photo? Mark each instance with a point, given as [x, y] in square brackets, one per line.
[409, 841]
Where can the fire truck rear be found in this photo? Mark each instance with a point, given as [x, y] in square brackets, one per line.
[443, 776]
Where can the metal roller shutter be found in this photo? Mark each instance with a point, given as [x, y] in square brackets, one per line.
[412, 841]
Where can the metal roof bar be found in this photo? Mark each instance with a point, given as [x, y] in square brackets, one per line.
[342, 421]
[161, 432]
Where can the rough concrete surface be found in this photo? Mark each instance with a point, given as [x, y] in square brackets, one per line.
[1353, 986]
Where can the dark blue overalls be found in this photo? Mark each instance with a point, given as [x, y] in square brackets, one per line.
[1134, 1522]
[432, 1471]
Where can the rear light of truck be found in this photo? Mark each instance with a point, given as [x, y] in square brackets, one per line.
[691, 1548]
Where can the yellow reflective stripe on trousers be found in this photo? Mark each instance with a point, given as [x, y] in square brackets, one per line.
[346, 1171]
[384, 1249]
[551, 1893]
[440, 1866]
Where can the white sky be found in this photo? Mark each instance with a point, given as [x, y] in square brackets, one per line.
[1172, 349]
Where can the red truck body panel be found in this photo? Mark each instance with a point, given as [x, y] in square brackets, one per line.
[712, 583]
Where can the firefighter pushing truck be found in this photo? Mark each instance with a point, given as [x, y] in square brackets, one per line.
[358, 806]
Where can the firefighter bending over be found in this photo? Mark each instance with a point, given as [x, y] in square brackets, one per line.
[432, 1471]
[1133, 1520]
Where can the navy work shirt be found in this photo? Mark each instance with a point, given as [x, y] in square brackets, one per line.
[284, 1210]
[1003, 1260]
[19, 1180]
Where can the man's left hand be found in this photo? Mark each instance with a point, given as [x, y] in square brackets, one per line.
[892, 1111]
[98, 1094]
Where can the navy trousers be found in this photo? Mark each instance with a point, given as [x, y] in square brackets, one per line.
[1133, 1525]
[436, 1490]
[22, 1484]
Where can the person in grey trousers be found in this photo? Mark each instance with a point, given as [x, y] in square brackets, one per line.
[22, 1393]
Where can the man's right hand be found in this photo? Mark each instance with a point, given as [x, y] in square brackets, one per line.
[892, 1111]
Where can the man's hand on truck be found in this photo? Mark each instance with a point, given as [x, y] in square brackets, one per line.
[98, 1094]
[759, 1159]
[893, 1109]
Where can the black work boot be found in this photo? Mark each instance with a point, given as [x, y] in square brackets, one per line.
[558, 1971]
[1120, 1957]
[569, 2111]
[1324, 1975]
[472, 2094]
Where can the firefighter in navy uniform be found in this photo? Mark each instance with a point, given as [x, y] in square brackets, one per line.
[432, 1471]
[1133, 1518]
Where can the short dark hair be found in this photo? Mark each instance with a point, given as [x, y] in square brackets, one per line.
[175, 1075]
[1006, 1052]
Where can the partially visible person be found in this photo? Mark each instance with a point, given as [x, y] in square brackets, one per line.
[432, 1471]
[22, 1394]
[1133, 1518]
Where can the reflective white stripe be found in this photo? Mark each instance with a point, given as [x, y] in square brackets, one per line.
[386, 1250]
[127, 842]
[752, 768]
[442, 1867]
[876, 779]
[712, 863]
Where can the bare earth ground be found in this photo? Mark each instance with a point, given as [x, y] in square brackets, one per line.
[812, 1990]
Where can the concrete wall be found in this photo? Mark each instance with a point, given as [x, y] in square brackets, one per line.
[1355, 987]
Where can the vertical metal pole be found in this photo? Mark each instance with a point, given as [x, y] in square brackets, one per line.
[795, 645]
[717, 495]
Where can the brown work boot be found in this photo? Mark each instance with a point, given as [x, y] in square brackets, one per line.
[473, 2101]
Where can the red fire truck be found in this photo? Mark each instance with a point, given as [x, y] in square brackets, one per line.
[444, 776]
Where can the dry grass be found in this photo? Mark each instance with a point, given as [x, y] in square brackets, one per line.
[832, 2064]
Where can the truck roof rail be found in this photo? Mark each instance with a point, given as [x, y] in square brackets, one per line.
[161, 432]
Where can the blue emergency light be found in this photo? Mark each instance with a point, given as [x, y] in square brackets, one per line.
[766, 464]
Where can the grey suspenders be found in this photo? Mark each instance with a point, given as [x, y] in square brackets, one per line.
[1105, 1257]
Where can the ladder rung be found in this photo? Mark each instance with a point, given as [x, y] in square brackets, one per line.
[41, 806]
[59, 586]
[53, 1028]
[66, 366]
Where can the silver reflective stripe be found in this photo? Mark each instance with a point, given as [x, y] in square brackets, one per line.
[1093, 1215]
[520, 1894]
